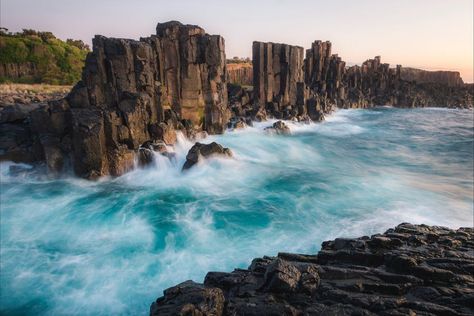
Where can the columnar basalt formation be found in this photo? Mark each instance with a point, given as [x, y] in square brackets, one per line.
[408, 270]
[279, 78]
[329, 84]
[137, 91]
[449, 78]
[323, 76]
[372, 83]
[133, 91]
[240, 74]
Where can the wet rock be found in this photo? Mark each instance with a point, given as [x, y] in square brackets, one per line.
[189, 298]
[281, 276]
[383, 274]
[200, 151]
[279, 128]
[147, 150]
[145, 90]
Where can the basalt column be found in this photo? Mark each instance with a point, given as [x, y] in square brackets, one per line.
[324, 77]
[135, 91]
[279, 78]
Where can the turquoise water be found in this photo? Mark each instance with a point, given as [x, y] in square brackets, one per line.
[69, 246]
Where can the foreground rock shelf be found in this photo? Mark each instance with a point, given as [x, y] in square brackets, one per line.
[408, 270]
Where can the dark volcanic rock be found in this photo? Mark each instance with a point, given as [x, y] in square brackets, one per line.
[448, 78]
[240, 74]
[284, 92]
[408, 270]
[134, 91]
[199, 151]
[131, 92]
[279, 127]
[279, 79]
[147, 150]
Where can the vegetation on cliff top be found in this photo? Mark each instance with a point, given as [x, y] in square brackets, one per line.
[42, 57]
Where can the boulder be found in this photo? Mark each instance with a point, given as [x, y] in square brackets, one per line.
[281, 276]
[279, 128]
[189, 298]
[147, 150]
[200, 151]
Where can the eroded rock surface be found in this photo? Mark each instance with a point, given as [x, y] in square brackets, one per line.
[131, 92]
[279, 127]
[289, 85]
[408, 270]
[202, 151]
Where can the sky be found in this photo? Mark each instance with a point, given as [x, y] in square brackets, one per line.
[428, 34]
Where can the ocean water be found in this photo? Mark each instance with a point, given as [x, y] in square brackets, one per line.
[73, 247]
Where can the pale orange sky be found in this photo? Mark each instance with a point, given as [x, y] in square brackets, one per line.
[428, 34]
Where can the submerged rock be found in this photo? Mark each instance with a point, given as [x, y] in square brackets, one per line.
[408, 270]
[279, 127]
[199, 151]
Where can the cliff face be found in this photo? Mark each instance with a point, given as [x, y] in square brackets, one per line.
[137, 92]
[19, 71]
[449, 78]
[278, 78]
[240, 74]
[287, 89]
[408, 270]
[133, 91]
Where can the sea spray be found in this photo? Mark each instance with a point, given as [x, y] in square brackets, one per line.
[71, 246]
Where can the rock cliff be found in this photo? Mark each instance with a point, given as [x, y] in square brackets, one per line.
[449, 78]
[240, 74]
[279, 78]
[288, 86]
[133, 91]
[408, 270]
[136, 91]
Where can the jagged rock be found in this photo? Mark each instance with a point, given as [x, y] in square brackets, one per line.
[134, 91]
[279, 79]
[189, 298]
[279, 127]
[281, 276]
[199, 151]
[329, 84]
[147, 149]
[386, 274]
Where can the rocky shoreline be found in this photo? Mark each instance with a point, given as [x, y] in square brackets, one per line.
[136, 94]
[408, 270]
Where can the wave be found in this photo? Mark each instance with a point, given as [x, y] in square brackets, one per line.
[71, 246]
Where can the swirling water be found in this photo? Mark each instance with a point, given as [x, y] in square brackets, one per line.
[69, 246]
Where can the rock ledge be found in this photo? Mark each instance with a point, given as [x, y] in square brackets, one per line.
[408, 270]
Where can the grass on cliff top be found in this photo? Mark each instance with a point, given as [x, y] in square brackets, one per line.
[57, 62]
